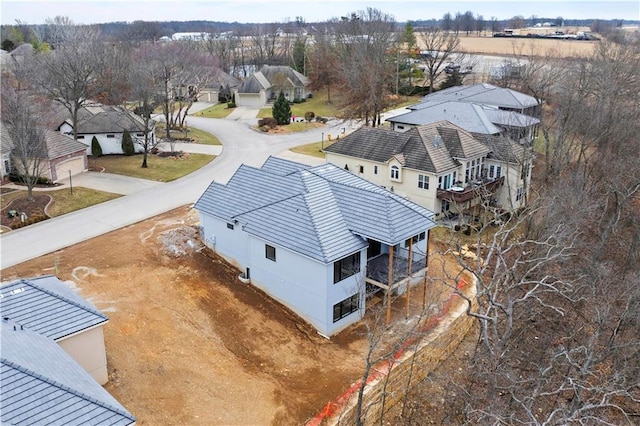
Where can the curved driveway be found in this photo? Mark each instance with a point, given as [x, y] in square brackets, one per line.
[241, 145]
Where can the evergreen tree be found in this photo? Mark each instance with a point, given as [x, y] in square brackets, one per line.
[96, 149]
[127, 144]
[281, 110]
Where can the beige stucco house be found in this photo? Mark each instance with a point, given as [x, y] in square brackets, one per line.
[265, 85]
[439, 166]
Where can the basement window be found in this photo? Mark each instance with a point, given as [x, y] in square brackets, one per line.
[346, 307]
[270, 252]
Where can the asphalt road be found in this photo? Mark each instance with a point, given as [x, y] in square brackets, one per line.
[241, 145]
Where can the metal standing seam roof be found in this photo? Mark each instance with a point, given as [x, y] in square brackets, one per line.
[322, 212]
[41, 384]
[47, 306]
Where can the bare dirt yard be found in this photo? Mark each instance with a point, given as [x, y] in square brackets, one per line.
[187, 343]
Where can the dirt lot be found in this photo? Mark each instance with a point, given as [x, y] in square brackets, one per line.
[187, 343]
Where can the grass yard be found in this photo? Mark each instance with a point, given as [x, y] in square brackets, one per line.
[313, 149]
[216, 111]
[160, 169]
[197, 135]
[64, 202]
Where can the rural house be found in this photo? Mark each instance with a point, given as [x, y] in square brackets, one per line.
[440, 166]
[107, 124]
[61, 156]
[265, 85]
[472, 117]
[53, 358]
[317, 239]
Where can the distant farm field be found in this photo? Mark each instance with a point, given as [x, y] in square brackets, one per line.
[489, 45]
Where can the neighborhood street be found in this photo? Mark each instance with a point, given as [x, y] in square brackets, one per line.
[241, 145]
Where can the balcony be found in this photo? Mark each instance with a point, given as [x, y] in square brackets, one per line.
[480, 188]
[378, 268]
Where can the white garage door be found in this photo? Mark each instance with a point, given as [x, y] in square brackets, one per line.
[248, 99]
[76, 165]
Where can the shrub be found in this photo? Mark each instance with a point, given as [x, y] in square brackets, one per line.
[127, 144]
[15, 177]
[309, 116]
[231, 104]
[281, 110]
[322, 120]
[96, 149]
[268, 122]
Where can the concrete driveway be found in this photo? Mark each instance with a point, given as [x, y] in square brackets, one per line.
[240, 143]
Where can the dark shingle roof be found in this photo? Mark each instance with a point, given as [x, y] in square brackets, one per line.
[47, 306]
[484, 94]
[41, 384]
[433, 148]
[58, 145]
[321, 212]
[503, 148]
[272, 75]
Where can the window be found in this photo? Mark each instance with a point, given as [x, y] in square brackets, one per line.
[395, 173]
[140, 134]
[498, 171]
[111, 136]
[80, 136]
[346, 267]
[491, 171]
[361, 169]
[421, 236]
[229, 225]
[519, 193]
[346, 307]
[445, 206]
[270, 252]
[423, 182]
[400, 127]
[375, 170]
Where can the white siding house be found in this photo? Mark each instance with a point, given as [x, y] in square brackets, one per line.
[311, 237]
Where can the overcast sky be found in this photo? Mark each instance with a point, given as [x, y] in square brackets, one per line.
[262, 11]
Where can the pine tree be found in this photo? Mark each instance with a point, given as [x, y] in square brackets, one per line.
[96, 149]
[127, 144]
[281, 110]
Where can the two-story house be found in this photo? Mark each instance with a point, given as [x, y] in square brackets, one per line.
[317, 239]
[440, 166]
[265, 85]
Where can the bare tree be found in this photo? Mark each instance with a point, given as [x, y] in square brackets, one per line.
[323, 65]
[439, 47]
[23, 131]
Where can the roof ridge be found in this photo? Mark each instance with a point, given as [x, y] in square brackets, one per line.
[67, 388]
[54, 294]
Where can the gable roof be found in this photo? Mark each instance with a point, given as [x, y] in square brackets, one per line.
[42, 384]
[47, 306]
[432, 148]
[321, 212]
[485, 94]
[272, 75]
[503, 148]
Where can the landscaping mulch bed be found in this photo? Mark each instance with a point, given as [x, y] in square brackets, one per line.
[34, 210]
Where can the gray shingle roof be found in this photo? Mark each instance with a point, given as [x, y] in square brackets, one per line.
[96, 119]
[254, 83]
[432, 148]
[502, 148]
[41, 384]
[47, 306]
[485, 94]
[59, 145]
[321, 212]
[468, 116]
[272, 75]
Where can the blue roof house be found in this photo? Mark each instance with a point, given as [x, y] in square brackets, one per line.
[47, 306]
[317, 239]
[40, 384]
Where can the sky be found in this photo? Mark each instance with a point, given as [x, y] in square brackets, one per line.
[266, 11]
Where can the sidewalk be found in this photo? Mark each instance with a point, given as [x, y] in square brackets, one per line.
[109, 182]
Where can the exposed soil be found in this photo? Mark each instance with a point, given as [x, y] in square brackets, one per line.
[187, 343]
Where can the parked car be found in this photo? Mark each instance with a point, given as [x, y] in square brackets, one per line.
[452, 67]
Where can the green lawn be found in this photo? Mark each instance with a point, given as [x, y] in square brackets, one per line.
[314, 149]
[215, 111]
[199, 136]
[64, 202]
[160, 169]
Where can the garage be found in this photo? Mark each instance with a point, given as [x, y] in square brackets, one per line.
[249, 99]
[74, 164]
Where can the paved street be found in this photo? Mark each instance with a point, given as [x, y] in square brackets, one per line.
[240, 143]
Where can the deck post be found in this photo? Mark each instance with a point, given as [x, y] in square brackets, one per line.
[406, 307]
[389, 284]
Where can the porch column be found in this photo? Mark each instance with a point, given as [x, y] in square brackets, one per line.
[389, 283]
[410, 259]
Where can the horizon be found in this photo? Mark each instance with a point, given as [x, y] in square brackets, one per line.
[281, 11]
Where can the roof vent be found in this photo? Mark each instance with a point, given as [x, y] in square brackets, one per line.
[437, 141]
